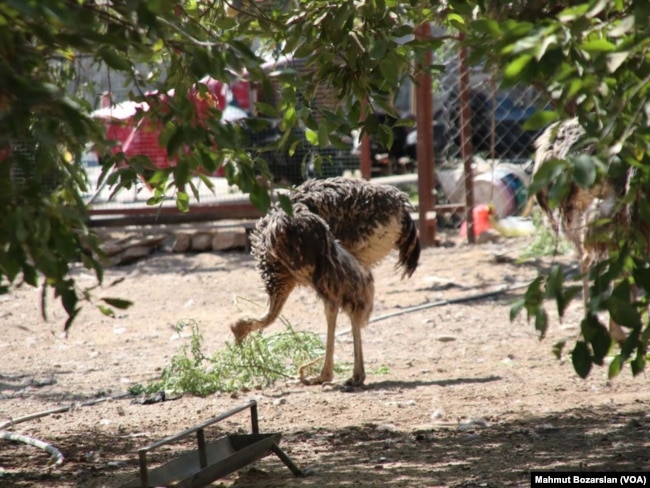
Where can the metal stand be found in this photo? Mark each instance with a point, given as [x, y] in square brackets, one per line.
[212, 460]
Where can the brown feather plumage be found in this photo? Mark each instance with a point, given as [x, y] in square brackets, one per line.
[338, 230]
[581, 209]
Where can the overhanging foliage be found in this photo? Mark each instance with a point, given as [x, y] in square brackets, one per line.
[589, 57]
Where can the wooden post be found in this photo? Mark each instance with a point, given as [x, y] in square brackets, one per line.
[424, 119]
[366, 157]
[466, 141]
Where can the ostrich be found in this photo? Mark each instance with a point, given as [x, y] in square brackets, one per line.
[339, 229]
[580, 208]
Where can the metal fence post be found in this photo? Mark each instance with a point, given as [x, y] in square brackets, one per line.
[424, 118]
[466, 140]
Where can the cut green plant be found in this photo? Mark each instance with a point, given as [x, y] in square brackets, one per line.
[259, 361]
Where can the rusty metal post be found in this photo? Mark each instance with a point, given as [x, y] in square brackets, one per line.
[424, 119]
[466, 141]
[366, 157]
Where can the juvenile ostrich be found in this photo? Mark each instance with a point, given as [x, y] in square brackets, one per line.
[369, 220]
[339, 229]
[581, 208]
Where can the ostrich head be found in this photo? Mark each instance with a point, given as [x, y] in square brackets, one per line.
[243, 327]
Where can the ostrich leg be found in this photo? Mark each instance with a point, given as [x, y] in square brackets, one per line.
[358, 373]
[327, 373]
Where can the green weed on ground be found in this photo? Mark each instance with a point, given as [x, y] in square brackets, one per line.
[259, 361]
[545, 241]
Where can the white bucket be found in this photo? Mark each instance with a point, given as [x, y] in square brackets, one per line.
[504, 187]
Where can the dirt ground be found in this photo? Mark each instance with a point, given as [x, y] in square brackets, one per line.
[456, 395]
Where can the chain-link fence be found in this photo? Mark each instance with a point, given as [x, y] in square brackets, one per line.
[502, 149]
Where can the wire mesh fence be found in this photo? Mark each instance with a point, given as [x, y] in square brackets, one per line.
[501, 148]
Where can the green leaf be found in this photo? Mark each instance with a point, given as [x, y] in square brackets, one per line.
[630, 344]
[623, 312]
[181, 173]
[544, 45]
[575, 86]
[388, 71]
[597, 335]
[30, 275]
[541, 321]
[570, 293]
[71, 317]
[584, 170]
[487, 26]
[559, 189]
[516, 308]
[573, 13]
[615, 367]
[379, 49]
[514, 68]
[182, 201]
[371, 123]
[641, 274]
[157, 199]
[554, 287]
[266, 109]
[311, 136]
[259, 197]
[638, 365]
[598, 45]
[69, 300]
[176, 141]
[109, 312]
[546, 174]
[285, 203]
[114, 59]
[581, 359]
[540, 119]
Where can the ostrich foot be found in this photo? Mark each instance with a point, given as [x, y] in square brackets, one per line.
[356, 380]
[325, 376]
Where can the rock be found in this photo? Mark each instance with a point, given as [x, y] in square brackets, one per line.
[437, 414]
[182, 243]
[133, 254]
[473, 424]
[202, 242]
[229, 239]
[446, 339]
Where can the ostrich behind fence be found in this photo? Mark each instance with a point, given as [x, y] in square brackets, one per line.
[339, 229]
[590, 218]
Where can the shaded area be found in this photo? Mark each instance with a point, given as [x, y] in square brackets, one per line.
[492, 454]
